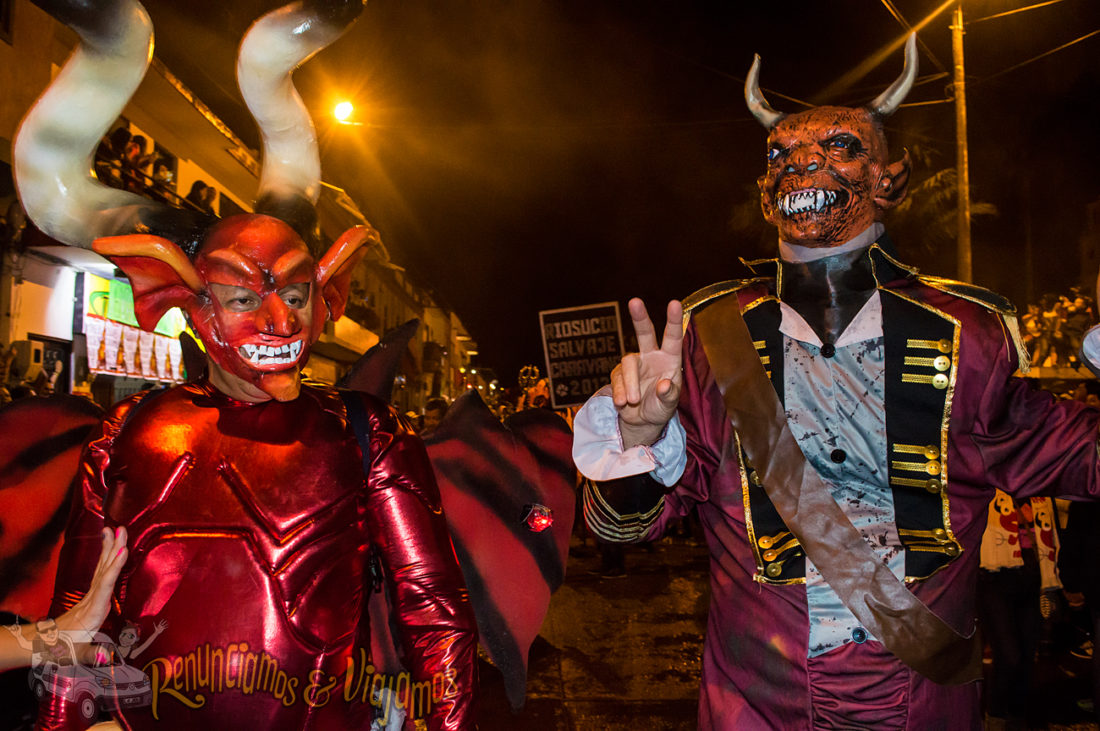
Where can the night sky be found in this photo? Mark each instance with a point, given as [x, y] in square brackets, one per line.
[521, 155]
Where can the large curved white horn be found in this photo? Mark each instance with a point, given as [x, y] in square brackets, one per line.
[754, 98]
[274, 46]
[888, 101]
[55, 145]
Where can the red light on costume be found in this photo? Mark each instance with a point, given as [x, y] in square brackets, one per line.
[539, 518]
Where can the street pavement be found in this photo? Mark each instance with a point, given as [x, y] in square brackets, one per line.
[624, 653]
[621, 653]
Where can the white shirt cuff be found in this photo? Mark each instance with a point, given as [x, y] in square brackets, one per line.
[598, 446]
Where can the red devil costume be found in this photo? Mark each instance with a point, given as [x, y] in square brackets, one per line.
[261, 511]
[840, 423]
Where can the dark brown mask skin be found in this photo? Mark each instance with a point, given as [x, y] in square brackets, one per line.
[828, 180]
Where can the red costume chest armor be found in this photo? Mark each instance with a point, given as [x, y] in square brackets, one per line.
[251, 531]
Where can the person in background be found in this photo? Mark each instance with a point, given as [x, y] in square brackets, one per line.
[135, 163]
[210, 200]
[1080, 573]
[162, 179]
[1018, 564]
[434, 411]
[196, 196]
[108, 164]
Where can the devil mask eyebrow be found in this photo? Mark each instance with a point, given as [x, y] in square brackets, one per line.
[239, 268]
[295, 265]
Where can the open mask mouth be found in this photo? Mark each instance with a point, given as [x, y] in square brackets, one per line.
[811, 200]
[269, 355]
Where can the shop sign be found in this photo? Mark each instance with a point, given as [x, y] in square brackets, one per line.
[117, 346]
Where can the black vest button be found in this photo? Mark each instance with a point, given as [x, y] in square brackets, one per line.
[828, 350]
[838, 455]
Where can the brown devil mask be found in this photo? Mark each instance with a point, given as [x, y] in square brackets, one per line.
[829, 176]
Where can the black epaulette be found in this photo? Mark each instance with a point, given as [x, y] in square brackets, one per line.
[982, 296]
[718, 289]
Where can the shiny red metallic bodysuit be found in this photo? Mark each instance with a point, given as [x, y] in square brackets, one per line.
[251, 527]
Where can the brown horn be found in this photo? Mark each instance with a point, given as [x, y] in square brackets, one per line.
[754, 98]
[888, 101]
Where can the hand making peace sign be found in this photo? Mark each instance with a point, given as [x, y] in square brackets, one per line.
[645, 386]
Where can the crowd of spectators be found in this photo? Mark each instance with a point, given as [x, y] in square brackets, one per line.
[1053, 329]
[123, 160]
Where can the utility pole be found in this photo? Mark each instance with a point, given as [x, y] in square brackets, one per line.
[964, 268]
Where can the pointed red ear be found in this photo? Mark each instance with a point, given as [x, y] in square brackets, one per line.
[160, 273]
[334, 269]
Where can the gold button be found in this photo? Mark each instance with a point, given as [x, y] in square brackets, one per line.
[944, 346]
[940, 381]
[952, 549]
[932, 452]
[771, 555]
[939, 534]
[932, 468]
[933, 486]
[941, 363]
[765, 541]
[754, 478]
[774, 569]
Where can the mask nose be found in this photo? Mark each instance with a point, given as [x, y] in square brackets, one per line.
[275, 318]
[803, 159]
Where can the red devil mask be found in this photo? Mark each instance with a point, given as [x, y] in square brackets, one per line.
[254, 294]
[829, 176]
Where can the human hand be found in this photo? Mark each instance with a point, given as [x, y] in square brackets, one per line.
[88, 614]
[160, 626]
[645, 386]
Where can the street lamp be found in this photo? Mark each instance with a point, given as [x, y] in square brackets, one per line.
[343, 111]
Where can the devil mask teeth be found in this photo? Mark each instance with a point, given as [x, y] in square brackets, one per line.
[810, 200]
[268, 355]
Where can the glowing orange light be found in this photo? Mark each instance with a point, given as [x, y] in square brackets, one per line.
[343, 111]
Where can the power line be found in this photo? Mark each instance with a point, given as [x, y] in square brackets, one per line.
[1040, 56]
[909, 29]
[1013, 12]
[859, 95]
[741, 81]
[847, 80]
[928, 103]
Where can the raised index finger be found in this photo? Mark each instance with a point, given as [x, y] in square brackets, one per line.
[643, 326]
